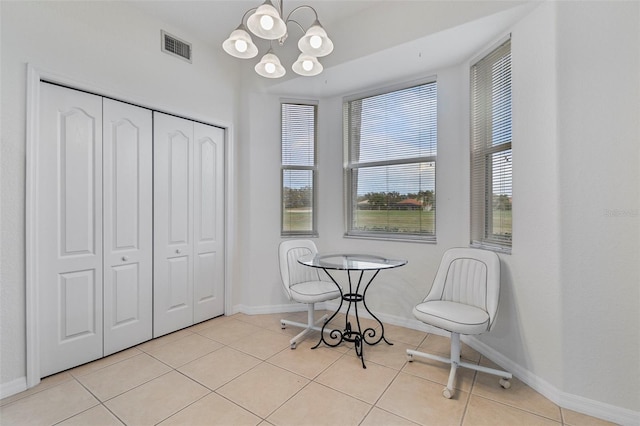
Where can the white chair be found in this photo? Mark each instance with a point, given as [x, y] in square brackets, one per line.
[304, 284]
[463, 300]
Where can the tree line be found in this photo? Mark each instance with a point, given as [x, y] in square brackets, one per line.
[294, 198]
[302, 197]
[386, 199]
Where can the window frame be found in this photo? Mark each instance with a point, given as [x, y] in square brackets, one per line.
[349, 166]
[482, 151]
[313, 232]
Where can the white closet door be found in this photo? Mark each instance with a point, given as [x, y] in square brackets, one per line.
[69, 228]
[173, 224]
[128, 230]
[208, 222]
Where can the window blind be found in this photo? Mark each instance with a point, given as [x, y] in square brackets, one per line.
[298, 134]
[298, 169]
[391, 143]
[491, 157]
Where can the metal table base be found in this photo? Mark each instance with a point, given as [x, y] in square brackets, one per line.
[355, 335]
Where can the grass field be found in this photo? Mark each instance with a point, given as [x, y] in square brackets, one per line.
[297, 220]
[502, 222]
[404, 221]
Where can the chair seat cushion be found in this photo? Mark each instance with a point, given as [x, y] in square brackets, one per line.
[314, 291]
[453, 316]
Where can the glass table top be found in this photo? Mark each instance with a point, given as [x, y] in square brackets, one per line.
[350, 262]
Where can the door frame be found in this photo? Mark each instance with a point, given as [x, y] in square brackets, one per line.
[34, 78]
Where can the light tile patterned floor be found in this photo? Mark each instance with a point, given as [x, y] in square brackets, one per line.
[239, 370]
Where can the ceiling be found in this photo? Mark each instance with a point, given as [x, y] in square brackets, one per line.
[213, 20]
[358, 28]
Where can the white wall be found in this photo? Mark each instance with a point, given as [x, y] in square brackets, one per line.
[106, 45]
[527, 331]
[570, 305]
[599, 156]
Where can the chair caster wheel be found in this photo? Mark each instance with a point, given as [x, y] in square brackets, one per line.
[293, 346]
[505, 383]
[283, 325]
[447, 393]
[409, 358]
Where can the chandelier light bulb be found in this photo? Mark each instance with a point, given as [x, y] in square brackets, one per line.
[307, 65]
[266, 22]
[241, 46]
[315, 41]
[270, 66]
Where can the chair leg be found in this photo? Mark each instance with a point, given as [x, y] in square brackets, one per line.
[449, 391]
[308, 327]
[455, 362]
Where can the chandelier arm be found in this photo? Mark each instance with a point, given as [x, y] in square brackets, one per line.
[298, 8]
[280, 6]
[297, 23]
[253, 9]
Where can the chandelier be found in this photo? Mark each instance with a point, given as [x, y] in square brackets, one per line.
[267, 23]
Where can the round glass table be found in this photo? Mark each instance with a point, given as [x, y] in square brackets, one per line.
[356, 293]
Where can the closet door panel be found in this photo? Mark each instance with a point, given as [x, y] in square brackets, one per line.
[179, 297]
[77, 293]
[77, 184]
[69, 228]
[124, 303]
[179, 157]
[128, 232]
[206, 293]
[173, 223]
[208, 222]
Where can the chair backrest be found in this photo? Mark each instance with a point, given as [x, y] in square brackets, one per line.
[469, 276]
[291, 271]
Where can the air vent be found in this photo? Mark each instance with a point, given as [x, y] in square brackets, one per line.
[176, 47]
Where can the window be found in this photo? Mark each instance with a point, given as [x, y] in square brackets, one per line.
[491, 162]
[298, 169]
[390, 141]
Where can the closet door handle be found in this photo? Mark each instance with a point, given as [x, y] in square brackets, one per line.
[125, 258]
[178, 251]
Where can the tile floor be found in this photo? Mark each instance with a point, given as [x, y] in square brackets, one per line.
[239, 370]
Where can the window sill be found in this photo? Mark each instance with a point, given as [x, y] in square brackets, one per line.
[393, 238]
[496, 248]
[300, 235]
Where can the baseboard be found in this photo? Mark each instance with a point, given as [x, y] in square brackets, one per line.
[13, 387]
[273, 309]
[612, 413]
[590, 407]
